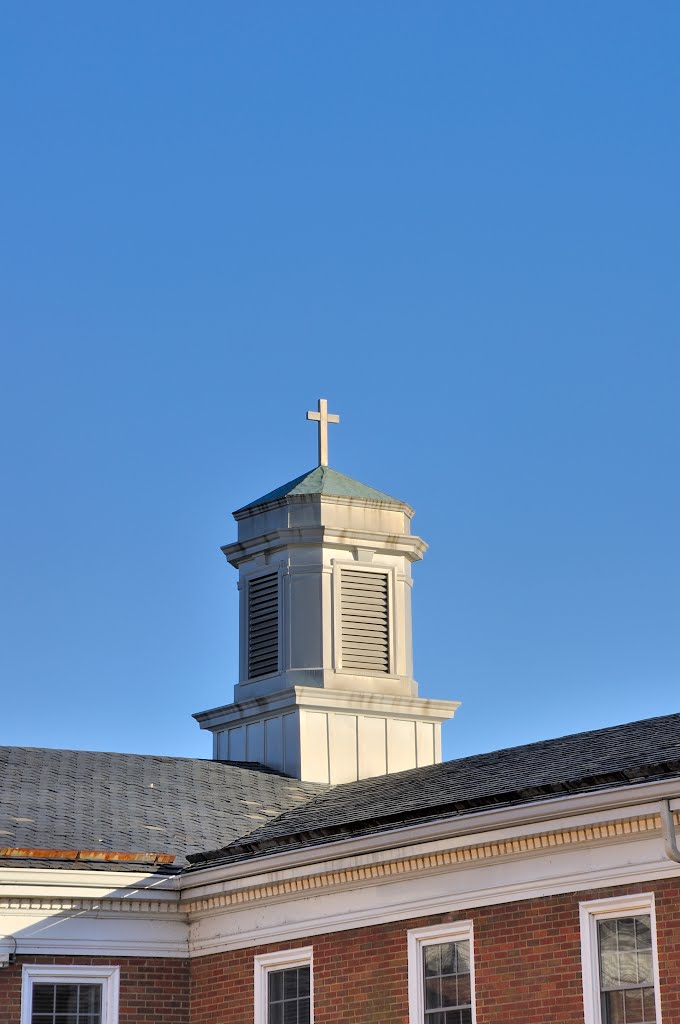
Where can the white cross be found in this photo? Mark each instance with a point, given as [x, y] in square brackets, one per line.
[323, 417]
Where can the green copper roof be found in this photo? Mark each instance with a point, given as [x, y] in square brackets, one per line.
[323, 480]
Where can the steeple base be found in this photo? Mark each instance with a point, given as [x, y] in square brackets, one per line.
[321, 735]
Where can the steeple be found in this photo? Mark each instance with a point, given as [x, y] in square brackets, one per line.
[326, 690]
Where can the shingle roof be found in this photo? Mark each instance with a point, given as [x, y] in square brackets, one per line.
[624, 754]
[78, 799]
[75, 799]
[323, 480]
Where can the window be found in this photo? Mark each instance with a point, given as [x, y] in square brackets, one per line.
[620, 978]
[69, 995]
[364, 615]
[284, 987]
[263, 625]
[441, 975]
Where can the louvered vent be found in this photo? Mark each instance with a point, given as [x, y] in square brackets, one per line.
[263, 625]
[365, 621]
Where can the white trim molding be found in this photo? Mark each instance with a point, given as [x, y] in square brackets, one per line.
[280, 961]
[606, 909]
[53, 974]
[417, 939]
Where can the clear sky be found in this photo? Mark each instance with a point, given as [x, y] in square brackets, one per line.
[460, 223]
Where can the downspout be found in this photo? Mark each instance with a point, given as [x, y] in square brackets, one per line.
[670, 840]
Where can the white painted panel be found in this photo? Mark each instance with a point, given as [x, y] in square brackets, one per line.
[372, 747]
[401, 745]
[314, 745]
[305, 620]
[342, 731]
[222, 752]
[291, 745]
[255, 742]
[273, 743]
[405, 897]
[75, 933]
[425, 743]
[237, 744]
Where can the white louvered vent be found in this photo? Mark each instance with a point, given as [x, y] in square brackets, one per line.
[365, 621]
[263, 625]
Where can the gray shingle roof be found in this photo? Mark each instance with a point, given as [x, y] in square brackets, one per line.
[210, 811]
[77, 799]
[621, 755]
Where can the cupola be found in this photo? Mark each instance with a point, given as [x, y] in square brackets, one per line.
[326, 690]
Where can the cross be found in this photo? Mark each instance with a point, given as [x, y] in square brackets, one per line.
[323, 417]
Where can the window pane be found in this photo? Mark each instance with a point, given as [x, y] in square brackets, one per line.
[609, 970]
[464, 995]
[432, 994]
[67, 1003]
[89, 998]
[290, 1012]
[626, 933]
[288, 996]
[628, 968]
[632, 1000]
[643, 933]
[432, 960]
[449, 991]
[446, 982]
[66, 1000]
[43, 998]
[463, 954]
[626, 971]
[448, 958]
[290, 984]
[612, 1008]
[607, 933]
[275, 985]
[648, 1002]
[644, 968]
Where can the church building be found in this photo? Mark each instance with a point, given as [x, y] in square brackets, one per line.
[326, 866]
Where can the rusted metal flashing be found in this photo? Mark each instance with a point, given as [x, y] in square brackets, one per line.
[109, 856]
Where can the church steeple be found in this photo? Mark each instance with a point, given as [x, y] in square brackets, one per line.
[326, 689]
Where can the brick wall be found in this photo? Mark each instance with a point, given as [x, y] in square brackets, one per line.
[152, 991]
[527, 960]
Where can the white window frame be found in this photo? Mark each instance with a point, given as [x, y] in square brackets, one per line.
[417, 939]
[609, 909]
[55, 974]
[281, 961]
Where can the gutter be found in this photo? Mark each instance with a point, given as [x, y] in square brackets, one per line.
[670, 840]
[201, 876]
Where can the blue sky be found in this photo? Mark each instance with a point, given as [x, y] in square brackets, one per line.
[458, 222]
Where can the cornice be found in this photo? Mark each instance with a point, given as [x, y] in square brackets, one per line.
[351, 876]
[428, 862]
[409, 545]
[315, 697]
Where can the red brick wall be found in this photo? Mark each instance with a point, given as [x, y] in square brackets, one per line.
[152, 991]
[527, 962]
[527, 959]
